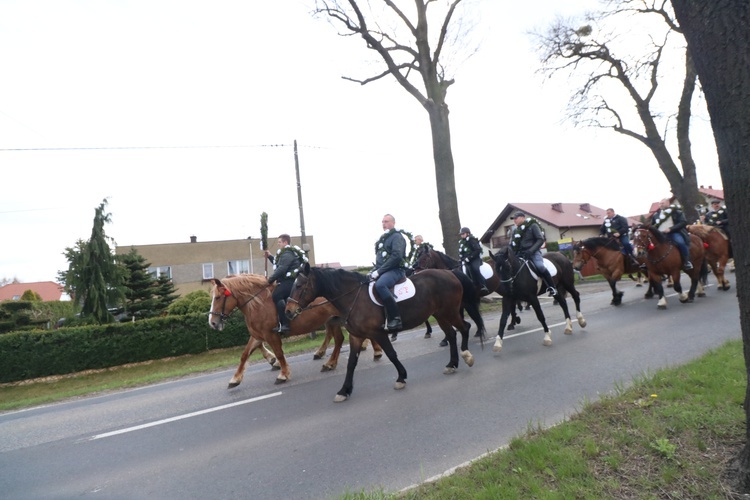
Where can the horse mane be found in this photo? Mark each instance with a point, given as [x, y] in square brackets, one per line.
[658, 235]
[601, 241]
[448, 260]
[246, 284]
[329, 279]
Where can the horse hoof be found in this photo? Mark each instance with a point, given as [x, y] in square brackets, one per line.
[582, 323]
[275, 367]
[443, 343]
[232, 385]
[399, 385]
[568, 331]
[547, 340]
[701, 294]
[468, 358]
[428, 335]
[511, 327]
[317, 357]
[326, 368]
[517, 320]
[638, 284]
[498, 345]
[376, 357]
[449, 370]
[339, 398]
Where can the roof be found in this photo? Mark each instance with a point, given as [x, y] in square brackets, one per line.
[554, 214]
[48, 290]
[712, 193]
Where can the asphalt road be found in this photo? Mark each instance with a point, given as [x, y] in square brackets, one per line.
[193, 438]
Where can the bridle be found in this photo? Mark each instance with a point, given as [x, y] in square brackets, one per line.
[650, 246]
[301, 308]
[223, 316]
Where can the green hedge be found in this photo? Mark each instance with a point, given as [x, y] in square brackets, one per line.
[40, 353]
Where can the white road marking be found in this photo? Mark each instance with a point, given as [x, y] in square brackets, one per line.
[182, 417]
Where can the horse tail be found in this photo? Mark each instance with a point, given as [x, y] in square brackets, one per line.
[704, 271]
[470, 302]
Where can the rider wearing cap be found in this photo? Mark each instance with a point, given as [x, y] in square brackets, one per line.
[470, 253]
[670, 220]
[718, 217]
[527, 241]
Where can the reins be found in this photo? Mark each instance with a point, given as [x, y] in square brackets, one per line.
[358, 289]
[223, 316]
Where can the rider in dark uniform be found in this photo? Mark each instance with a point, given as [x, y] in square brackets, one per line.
[390, 259]
[718, 217]
[670, 220]
[470, 253]
[616, 226]
[287, 263]
[527, 241]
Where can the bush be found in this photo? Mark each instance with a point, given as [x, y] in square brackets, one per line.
[41, 353]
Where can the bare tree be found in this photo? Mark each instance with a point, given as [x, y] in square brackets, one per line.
[719, 40]
[590, 52]
[411, 54]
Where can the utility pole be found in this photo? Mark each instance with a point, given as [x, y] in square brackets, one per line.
[303, 238]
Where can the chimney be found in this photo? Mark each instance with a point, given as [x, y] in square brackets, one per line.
[585, 207]
[193, 239]
[557, 207]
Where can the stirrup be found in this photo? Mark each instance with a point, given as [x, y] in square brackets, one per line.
[552, 291]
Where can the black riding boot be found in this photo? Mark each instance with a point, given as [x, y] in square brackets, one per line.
[551, 290]
[283, 327]
[393, 318]
[686, 264]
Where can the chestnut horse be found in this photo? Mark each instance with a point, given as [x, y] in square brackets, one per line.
[251, 294]
[663, 258]
[436, 293]
[517, 283]
[610, 261]
[716, 243]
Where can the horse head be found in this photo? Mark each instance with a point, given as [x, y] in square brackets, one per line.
[223, 303]
[502, 260]
[304, 291]
[645, 239]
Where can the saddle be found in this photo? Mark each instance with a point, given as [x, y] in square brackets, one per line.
[485, 269]
[402, 290]
[547, 265]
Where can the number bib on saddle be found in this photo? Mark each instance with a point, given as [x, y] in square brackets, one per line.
[402, 291]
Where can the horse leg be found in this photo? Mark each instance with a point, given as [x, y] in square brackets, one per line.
[377, 351]
[465, 353]
[658, 291]
[616, 296]
[577, 301]
[321, 352]
[355, 345]
[268, 356]
[274, 340]
[566, 313]
[450, 334]
[333, 331]
[540, 316]
[390, 352]
[508, 306]
[428, 333]
[365, 343]
[684, 297]
[236, 379]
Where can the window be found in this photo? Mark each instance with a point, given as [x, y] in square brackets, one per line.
[155, 272]
[208, 271]
[238, 267]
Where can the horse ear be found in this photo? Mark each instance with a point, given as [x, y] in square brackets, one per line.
[216, 282]
[306, 268]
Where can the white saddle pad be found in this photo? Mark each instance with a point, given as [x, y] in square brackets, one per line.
[485, 269]
[550, 267]
[402, 291]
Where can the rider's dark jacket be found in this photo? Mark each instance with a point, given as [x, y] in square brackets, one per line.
[471, 251]
[679, 223]
[617, 224]
[391, 255]
[286, 262]
[715, 216]
[532, 240]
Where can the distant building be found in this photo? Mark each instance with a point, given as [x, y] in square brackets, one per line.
[193, 264]
[559, 221]
[47, 290]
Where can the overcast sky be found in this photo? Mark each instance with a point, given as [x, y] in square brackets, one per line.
[183, 114]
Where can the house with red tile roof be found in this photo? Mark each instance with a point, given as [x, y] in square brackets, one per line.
[47, 290]
[559, 221]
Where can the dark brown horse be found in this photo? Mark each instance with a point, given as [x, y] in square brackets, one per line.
[428, 258]
[437, 293]
[518, 283]
[663, 259]
[610, 261]
[251, 294]
[716, 243]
